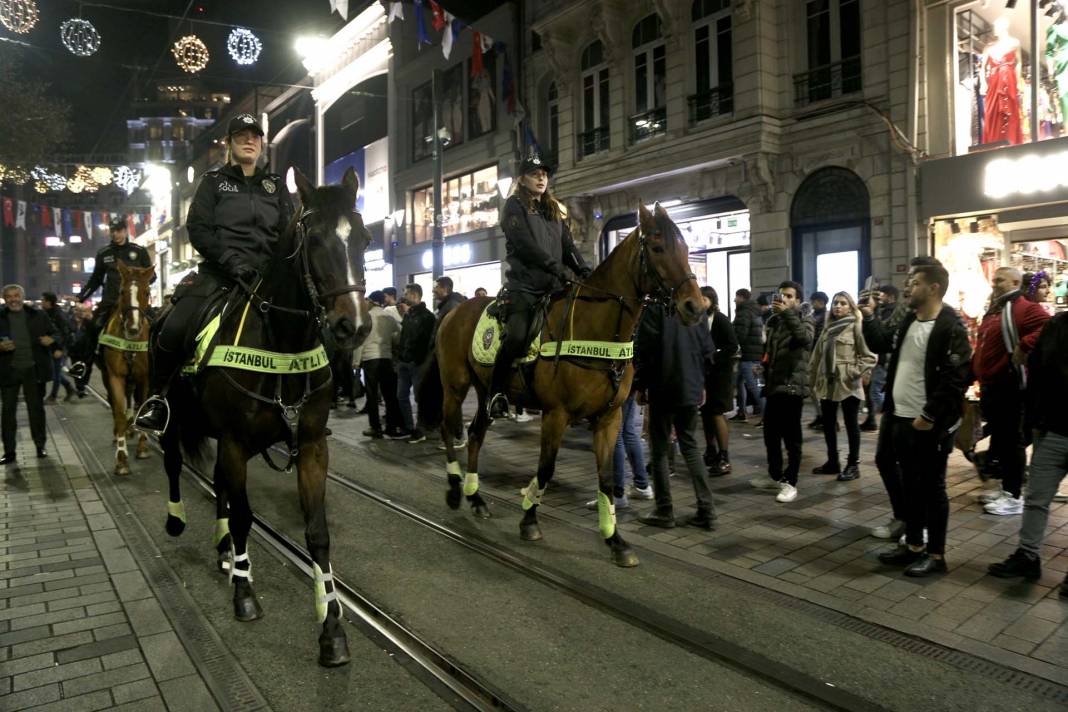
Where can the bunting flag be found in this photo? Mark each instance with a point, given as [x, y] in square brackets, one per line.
[68, 225]
[130, 226]
[46, 216]
[448, 37]
[57, 220]
[437, 16]
[9, 213]
[396, 10]
[476, 54]
[20, 215]
[76, 220]
[420, 23]
[87, 220]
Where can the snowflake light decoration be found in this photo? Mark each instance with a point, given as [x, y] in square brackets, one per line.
[127, 178]
[19, 16]
[79, 37]
[244, 47]
[102, 175]
[190, 54]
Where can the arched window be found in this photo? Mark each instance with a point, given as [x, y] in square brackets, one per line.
[714, 63]
[595, 100]
[650, 79]
[554, 119]
[830, 217]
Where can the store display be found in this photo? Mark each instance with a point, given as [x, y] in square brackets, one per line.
[1002, 79]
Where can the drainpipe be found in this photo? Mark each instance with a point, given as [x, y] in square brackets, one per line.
[915, 246]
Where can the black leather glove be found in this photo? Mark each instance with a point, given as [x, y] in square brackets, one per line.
[244, 273]
[585, 273]
[559, 272]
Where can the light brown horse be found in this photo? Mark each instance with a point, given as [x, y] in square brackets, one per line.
[652, 260]
[123, 358]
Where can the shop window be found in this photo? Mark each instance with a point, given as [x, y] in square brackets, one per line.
[452, 106]
[481, 99]
[832, 48]
[178, 132]
[595, 100]
[54, 266]
[75, 265]
[468, 202]
[155, 132]
[650, 80]
[714, 70]
[422, 119]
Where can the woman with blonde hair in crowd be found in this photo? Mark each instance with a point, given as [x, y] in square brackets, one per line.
[840, 364]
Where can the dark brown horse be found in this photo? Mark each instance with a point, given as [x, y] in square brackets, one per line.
[315, 280]
[652, 260]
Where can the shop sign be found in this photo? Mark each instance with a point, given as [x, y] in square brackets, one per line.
[1025, 175]
[452, 255]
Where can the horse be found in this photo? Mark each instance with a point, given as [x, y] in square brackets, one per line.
[652, 260]
[313, 284]
[123, 359]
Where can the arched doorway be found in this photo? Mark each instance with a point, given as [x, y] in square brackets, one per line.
[831, 222]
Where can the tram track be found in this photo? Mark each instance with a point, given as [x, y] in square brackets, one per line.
[462, 689]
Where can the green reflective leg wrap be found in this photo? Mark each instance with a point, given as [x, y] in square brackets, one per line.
[531, 494]
[453, 469]
[606, 515]
[222, 529]
[470, 484]
[323, 599]
[176, 510]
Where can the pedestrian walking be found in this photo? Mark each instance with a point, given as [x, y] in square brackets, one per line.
[790, 335]
[749, 333]
[926, 380]
[414, 343]
[719, 386]
[375, 356]
[26, 340]
[63, 332]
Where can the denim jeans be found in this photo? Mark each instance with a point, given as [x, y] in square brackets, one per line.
[407, 382]
[1049, 464]
[748, 386]
[876, 391]
[629, 447]
[58, 377]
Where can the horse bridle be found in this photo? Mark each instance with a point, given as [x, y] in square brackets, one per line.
[646, 267]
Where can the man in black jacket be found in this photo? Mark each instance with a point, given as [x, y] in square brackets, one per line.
[26, 338]
[670, 361]
[416, 339]
[446, 299]
[926, 379]
[749, 332]
[62, 329]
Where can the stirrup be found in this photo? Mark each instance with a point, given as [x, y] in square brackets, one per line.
[141, 412]
[76, 369]
[493, 400]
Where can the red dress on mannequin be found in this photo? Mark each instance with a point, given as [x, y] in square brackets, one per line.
[1001, 112]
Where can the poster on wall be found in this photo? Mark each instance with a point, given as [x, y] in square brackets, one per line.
[371, 164]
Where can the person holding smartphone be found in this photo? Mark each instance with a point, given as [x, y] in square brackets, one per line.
[26, 335]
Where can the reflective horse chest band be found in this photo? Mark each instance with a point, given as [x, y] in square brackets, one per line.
[117, 342]
[260, 361]
[610, 350]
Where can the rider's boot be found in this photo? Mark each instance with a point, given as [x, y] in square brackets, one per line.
[155, 412]
[502, 372]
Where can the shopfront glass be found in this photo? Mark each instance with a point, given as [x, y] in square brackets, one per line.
[465, 280]
[992, 74]
[376, 271]
[468, 202]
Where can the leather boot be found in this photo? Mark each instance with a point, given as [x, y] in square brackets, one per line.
[498, 403]
[155, 412]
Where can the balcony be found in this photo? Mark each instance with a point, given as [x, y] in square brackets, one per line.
[718, 101]
[647, 125]
[828, 82]
[593, 141]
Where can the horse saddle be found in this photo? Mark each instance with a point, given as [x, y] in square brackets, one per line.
[486, 341]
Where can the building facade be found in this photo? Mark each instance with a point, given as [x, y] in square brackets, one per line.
[163, 124]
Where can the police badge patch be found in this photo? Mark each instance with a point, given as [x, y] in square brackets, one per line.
[268, 185]
[487, 338]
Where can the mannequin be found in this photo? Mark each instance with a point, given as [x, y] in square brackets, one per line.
[1057, 63]
[1001, 71]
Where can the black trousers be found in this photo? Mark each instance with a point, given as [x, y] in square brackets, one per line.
[782, 425]
[382, 381]
[850, 411]
[519, 316]
[663, 418]
[25, 380]
[922, 456]
[1002, 405]
[889, 468]
[85, 349]
[344, 379]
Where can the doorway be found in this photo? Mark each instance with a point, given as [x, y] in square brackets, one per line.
[831, 232]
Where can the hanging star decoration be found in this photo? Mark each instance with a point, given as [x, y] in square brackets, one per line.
[19, 16]
[190, 54]
[79, 37]
[244, 47]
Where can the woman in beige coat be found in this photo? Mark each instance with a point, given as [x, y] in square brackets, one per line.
[841, 363]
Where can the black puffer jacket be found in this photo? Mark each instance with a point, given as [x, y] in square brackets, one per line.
[416, 335]
[749, 330]
[106, 270]
[538, 249]
[449, 303]
[1047, 378]
[790, 338]
[670, 359]
[236, 220]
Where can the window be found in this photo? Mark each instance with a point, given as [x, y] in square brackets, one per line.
[714, 70]
[554, 119]
[650, 79]
[451, 96]
[422, 118]
[75, 265]
[481, 100]
[832, 46]
[468, 202]
[178, 131]
[155, 132]
[595, 100]
[53, 266]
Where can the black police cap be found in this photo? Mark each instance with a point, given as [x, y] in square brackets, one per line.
[242, 122]
[533, 162]
[117, 224]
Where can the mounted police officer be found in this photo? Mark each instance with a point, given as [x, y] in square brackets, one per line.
[106, 273]
[539, 245]
[236, 217]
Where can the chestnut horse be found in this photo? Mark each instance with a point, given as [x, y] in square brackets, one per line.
[652, 260]
[124, 358]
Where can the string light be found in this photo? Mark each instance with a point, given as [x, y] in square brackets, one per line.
[102, 175]
[127, 178]
[244, 47]
[19, 16]
[190, 54]
[76, 185]
[79, 37]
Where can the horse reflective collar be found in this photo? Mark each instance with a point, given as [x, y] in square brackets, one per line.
[121, 344]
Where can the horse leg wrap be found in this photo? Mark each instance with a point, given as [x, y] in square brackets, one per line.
[240, 573]
[120, 446]
[606, 515]
[470, 484]
[222, 529]
[532, 494]
[323, 597]
[176, 510]
[452, 469]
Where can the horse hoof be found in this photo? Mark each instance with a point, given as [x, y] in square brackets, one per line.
[530, 532]
[122, 471]
[481, 511]
[144, 455]
[247, 608]
[174, 526]
[334, 651]
[625, 558]
[453, 498]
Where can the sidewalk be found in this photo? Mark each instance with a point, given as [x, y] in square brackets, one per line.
[80, 627]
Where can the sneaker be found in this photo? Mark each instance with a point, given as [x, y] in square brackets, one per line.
[1019, 563]
[417, 436]
[891, 530]
[621, 503]
[739, 416]
[641, 492]
[992, 496]
[456, 444]
[787, 493]
[1006, 506]
[764, 483]
[523, 417]
[373, 433]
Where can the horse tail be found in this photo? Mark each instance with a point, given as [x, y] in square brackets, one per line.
[431, 395]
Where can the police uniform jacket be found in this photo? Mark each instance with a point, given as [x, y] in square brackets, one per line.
[537, 250]
[106, 271]
[236, 219]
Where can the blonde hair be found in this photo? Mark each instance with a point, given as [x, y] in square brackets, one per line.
[853, 308]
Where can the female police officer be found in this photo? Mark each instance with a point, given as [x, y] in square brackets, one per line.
[234, 222]
[539, 244]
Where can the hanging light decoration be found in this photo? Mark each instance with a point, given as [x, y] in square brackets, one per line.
[127, 178]
[79, 37]
[244, 47]
[102, 175]
[19, 16]
[190, 54]
[17, 175]
[76, 185]
[40, 186]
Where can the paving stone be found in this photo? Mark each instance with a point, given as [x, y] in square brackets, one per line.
[56, 618]
[149, 704]
[101, 608]
[57, 643]
[112, 631]
[187, 694]
[89, 623]
[82, 580]
[21, 636]
[105, 680]
[131, 586]
[17, 666]
[122, 659]
[57, 673]
[32, 697]
[166, 657]
[102, 648]
[146, 617]
[131, 691]
[119, 560]
[71, 598]
[83, 703]
[28, 609]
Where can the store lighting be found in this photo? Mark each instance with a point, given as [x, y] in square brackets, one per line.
[74, 239]
[190, 174]
[53, 241]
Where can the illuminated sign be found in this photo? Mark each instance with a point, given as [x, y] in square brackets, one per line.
[74, 239]
[1027, 174]
[53, 241]
[452, 256]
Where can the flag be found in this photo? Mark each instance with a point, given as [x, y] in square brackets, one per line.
[57, 220]
[20, 215]
[87, 220]
[476, 54]
[76, 219]
[46, 216]
[438, 16]
[396, 9]
[448, 37]
[9, 208]
[130, 225]
[420, 24]
[67, 224]
[507, 81]
[341, 7]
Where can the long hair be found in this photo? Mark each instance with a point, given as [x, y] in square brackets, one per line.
[853, 309]
[545, 204]
[713, 299]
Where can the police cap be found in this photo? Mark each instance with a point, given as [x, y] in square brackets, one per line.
[117, 224]
[242, 122]
[533, 162]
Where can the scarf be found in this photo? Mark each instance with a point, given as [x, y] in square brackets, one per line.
[1010, 335]
[831, 330]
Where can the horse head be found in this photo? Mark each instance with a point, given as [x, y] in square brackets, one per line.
[335, 239]
[667, 270]
[133, 298]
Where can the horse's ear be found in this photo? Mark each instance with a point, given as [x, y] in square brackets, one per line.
[351, 182]
[645, 219]
[659, 211]
[304, 187]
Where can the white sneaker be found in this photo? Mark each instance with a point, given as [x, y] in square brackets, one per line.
[641, 492]
[764, 483]
[992, 496]
[890, 530]
[523, 418]
[1006, 506]
[787, 493]
[456, 444]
